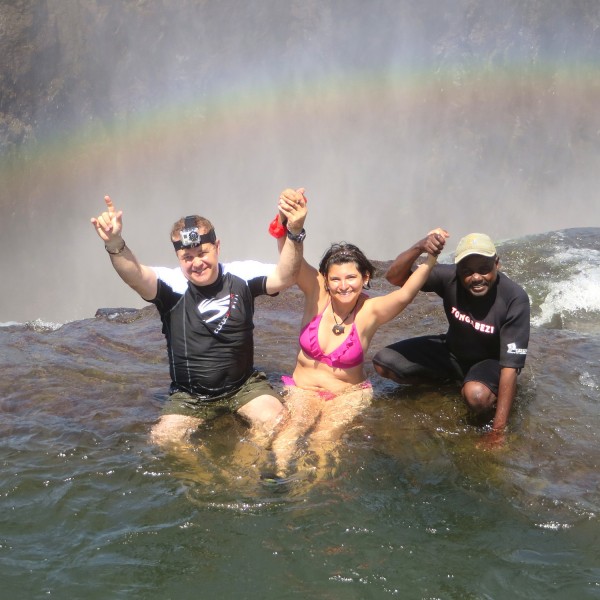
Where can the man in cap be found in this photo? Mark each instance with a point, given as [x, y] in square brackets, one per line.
[486, 343]
[208, 322]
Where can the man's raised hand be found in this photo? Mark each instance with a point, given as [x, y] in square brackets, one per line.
[109, 224]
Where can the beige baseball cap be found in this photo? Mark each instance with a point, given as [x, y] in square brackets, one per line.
[474, 243]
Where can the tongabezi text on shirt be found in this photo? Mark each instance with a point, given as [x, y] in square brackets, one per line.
[482, 327]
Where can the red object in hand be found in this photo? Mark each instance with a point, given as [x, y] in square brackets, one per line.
[276, 229]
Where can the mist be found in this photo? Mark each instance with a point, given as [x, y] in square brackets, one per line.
[396, 116]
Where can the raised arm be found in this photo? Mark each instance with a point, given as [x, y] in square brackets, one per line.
[385, 308]
[286, 271]
[109, 226]
[400, 270]
[308, 276]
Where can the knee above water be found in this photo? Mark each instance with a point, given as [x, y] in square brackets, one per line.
[478, 396]
[380, 370]
[172, 428]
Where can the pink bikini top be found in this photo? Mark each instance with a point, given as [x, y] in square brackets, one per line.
[347, 355]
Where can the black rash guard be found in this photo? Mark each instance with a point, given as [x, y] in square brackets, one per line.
[492, 326]
[209, 331]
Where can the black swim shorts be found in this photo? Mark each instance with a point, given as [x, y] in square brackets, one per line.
[428, 357]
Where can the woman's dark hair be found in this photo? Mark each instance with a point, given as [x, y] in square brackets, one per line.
[342, 253]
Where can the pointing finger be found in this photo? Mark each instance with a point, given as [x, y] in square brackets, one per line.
[109, 205]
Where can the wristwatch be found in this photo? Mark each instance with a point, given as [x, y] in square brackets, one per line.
[296, 237]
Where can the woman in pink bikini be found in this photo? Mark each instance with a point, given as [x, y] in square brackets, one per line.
[329, 387]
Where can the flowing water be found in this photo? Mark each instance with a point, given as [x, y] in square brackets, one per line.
[406, 507]
[397, 116]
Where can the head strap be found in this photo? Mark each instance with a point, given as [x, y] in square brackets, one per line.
[190, 238]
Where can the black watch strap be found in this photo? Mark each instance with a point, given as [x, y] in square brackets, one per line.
[298, 237]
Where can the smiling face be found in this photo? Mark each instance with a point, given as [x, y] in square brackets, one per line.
[477, 273]
[200, 264]
[345, 282]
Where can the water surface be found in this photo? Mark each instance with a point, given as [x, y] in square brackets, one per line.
[406, 507]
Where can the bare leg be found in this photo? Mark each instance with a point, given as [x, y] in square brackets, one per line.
[303, 412]
[172, 434]
[336, 416]
[338, 413]
[479, 398]
[174, 430]
[322, 421]
[264, 414]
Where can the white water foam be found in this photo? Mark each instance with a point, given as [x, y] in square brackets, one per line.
[577, 295]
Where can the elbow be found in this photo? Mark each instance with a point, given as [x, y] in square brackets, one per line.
[394, 279]
[292, 277]
[390, 277]
[288, 280]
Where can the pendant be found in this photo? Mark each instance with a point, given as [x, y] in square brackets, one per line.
[338, 329]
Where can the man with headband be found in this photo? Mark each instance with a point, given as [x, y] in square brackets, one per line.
[208, 324]
[486, 343]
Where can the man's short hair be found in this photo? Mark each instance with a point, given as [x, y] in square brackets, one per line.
[199, 222]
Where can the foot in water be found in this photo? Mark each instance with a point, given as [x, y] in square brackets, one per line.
[272, 480]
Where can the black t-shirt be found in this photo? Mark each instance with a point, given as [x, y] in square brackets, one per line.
[209, 331]
[492, 326]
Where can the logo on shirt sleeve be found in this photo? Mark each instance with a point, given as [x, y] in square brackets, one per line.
[512, 349]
